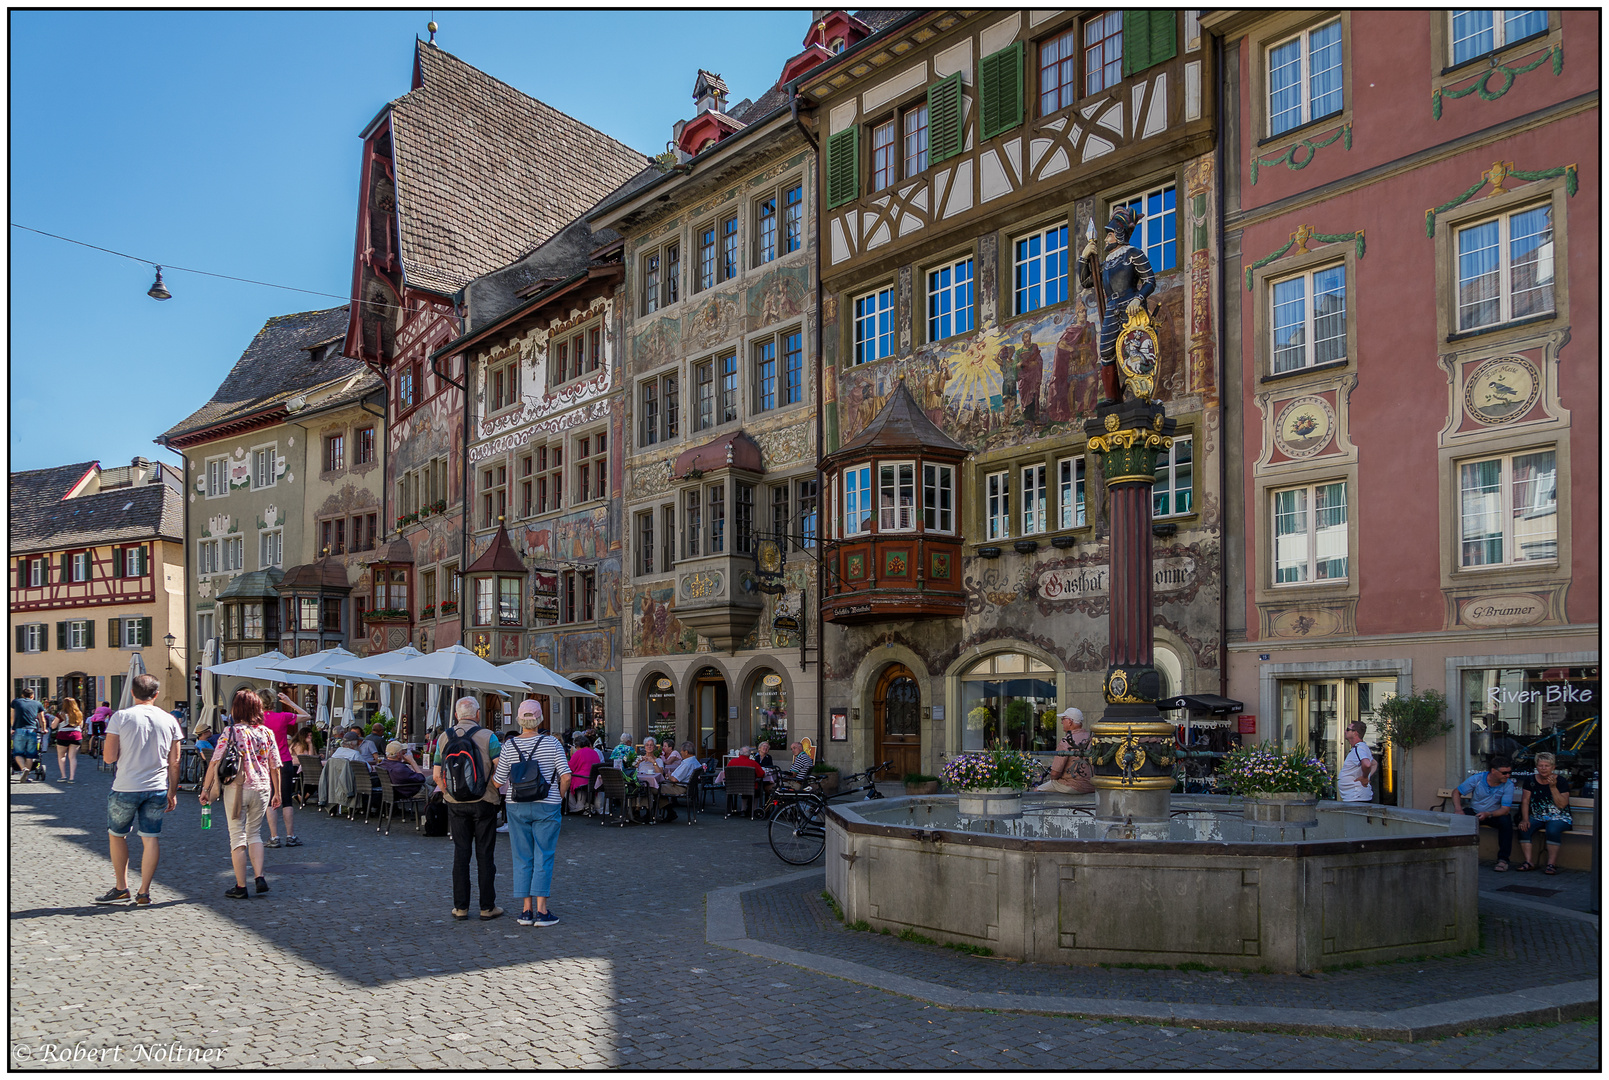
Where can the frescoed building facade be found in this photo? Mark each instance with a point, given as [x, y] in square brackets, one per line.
[967, 570]
[1411, 291]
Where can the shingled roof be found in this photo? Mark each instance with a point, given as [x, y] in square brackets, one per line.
[899, 425]
[42, 519]
[276, 366]
[485, 171]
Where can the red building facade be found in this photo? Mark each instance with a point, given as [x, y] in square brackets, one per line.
[1411, 227]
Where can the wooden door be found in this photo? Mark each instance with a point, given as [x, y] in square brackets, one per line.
[709, 695]
[897, 721]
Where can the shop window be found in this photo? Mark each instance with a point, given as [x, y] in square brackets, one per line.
[1174, 486]
[1508, 510]
[768, 705]
[1505, 268]
[1310, 534]
[874, 325]
[896, 496]
[1008, 700]
[1157, 233]
[1309, 319]
[1304, 78]
[1070, 492]
[1476, 33]
[659, 706]
[1520, 711]
[949, 300]
[1039, 267]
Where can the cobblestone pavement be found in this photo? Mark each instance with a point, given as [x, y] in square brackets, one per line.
[352, 961]
[1522, 947]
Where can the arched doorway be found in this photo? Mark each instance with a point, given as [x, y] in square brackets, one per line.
[710, 713]
[897, 720]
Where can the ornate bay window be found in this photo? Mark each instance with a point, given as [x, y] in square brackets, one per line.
[388, 613]
[717, 488]
[313, 601]
[894, 548]
[248, 614]
[497, 588]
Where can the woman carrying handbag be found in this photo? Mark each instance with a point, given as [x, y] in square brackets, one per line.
[246, 769]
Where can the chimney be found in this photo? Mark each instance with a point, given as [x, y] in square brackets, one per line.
[709, 93]
[139, 471]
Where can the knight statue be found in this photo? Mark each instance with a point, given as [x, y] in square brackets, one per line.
[1124, 281]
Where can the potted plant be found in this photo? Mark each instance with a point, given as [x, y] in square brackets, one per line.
[829, 777]
[990, 783]
[1410, 720]
[1276, 788]
[920, 784]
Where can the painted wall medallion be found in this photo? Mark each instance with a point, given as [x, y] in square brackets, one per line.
[1502, 389]
[1304, 427]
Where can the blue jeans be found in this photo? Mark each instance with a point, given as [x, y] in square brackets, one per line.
[123, 806]
[533, 832]
[1555, 830]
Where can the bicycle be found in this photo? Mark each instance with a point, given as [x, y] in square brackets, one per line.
[798, 831]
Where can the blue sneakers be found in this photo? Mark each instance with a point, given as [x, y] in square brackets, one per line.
[545, 918]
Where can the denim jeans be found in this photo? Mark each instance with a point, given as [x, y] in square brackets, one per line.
[123, 806]
[1504, 824]
[533, 832]
[1554, 829]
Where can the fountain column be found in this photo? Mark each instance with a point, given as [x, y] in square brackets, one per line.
[1132, 745]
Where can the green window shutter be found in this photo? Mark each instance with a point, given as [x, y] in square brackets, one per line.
[66, 567]
[945, 132]
[117, 690]
[22, 638]
[145, 631]
[843, 167]
[61, 635]
[1000, 91]
[117, 562]
[89, 633]
[1149, 37]
[114, 633]
[44, 639]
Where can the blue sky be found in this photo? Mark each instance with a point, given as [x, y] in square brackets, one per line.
[228, 141]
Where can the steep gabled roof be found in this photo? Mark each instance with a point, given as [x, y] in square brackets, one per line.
[42, 519]
[276, 367]
[899, 425]
[484, 171]
[502, 557]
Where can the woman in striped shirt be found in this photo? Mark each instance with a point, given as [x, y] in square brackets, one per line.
[533, 827]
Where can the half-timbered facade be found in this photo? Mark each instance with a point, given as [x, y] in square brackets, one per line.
[97, 573]
[964, 153]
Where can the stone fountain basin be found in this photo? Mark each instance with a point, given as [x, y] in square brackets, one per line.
[1369, 883]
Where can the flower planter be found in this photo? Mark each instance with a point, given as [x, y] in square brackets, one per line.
[829, 783]
[1298, 809]
[930, 787]
[993, 802]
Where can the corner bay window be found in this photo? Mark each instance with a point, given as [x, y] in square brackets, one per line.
[1508, 510]
[1008, 700]
[938, 498]
[1310, 542]
[693, 521]
[896, 496]
[508, 601]
[857, 500]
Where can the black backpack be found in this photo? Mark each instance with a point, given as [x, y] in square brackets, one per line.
[525, 780]
[461, 764]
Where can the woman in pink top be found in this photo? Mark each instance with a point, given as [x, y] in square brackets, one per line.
[581, 762]
[281, 723]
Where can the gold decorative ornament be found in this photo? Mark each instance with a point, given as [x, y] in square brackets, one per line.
[1111, 421]
[1138, 350]
[1158, 420]
[1130, 757]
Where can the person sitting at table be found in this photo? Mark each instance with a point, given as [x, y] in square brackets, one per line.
[674, 782]
[622, 749]
[204, 740]
[349, 749]
[763, 756]
[406, 776]
[373, 748]
[673, 757]
[650, 763]
[745, 760]
[582, 760]
[688, 764]
[802, 762]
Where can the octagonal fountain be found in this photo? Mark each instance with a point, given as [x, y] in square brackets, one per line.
[1059, 885]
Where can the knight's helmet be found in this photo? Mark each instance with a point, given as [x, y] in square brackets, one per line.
[1125, 219]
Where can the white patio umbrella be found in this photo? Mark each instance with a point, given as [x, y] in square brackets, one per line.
[136, 666]
[320, 663]
[367, 669]
[209, 687]
[540, 677]
[452, 666]
[265, 668]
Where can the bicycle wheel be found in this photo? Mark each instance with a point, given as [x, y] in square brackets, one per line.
[799, 833]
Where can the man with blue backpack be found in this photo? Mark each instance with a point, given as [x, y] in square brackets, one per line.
[534, 774]
[463, 773]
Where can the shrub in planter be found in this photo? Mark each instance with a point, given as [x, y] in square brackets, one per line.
[921, 784]
[1411, 720]
[1250, 771]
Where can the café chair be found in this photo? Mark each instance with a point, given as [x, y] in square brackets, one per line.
[740, 785]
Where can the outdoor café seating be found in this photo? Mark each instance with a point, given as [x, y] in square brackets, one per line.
[740, 784]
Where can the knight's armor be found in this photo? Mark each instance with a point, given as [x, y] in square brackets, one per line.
[1125, 274]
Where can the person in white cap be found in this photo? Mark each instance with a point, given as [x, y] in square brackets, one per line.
[1070, 775]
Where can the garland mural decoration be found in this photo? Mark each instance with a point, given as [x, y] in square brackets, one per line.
[1288, 158]
[1299, 240]
[1498, 176]
[1479, 86]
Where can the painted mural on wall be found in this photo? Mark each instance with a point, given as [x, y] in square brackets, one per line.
[776, 296]
[586, 535]
[655, 630]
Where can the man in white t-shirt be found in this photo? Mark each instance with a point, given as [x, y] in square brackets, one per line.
[143, 741]
[1356, 767]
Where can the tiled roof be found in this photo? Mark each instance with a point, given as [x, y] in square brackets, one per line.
[484, 171]
[881, 18]
[737, 450]
[42, 520]
[500, 557]
[275, 367]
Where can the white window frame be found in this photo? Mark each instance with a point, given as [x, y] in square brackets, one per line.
[858, 510]
[1505, 268]
[77, 634]
[1167, 467]
[128, 633]
[33, 638]
[1310, 531]
[879, 321]
[1035, 499]
[913, 161]
[997, 505]
[207, 556]
[257, 462]
[1041, 260]
[1071, 509]
[80, 566]
[1506, 512]
[1306, 81]
[38, 573]
[233, 553]
[217, 468]
[1499, 30]
[956, 297]
[895, 515]
[1160, 221]
[938, 498]
[270, 542]
[1309, 320]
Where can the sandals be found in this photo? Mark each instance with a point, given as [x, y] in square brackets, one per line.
[1502, 866]
[1524, 866]
[1550, 869]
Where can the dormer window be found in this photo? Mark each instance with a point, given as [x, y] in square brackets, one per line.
[836, 46]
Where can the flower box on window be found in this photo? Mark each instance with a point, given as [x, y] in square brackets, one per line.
[429, 612]
[386, 615]
[449, 607]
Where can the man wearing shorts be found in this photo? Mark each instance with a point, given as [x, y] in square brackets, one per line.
[143, 741]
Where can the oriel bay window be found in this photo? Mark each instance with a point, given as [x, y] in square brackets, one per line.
[896, 496]
[693, 519]
[743, 517]
[715, 496]
[1310, 534]
[508, 601]
[1508, 510]
[857, 500]
[938, 498]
